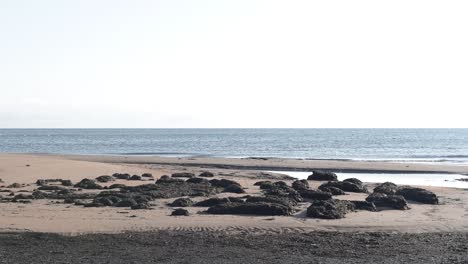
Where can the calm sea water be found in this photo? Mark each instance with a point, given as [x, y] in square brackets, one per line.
[423, 145]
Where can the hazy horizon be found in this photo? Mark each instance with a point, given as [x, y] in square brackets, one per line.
[233, 64]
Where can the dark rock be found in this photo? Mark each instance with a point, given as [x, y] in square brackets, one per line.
[88, 184]
[180, 212]
[66, 182]
[388, 188]
[182, 202]
[117, 186]
[272, 199]
[264, 185]
[462, 179]
[300, 185]
[135, 178]
[322, 176]
[183, 175]
[104, 201]
[418, 195]
[346, 186]
[126, 203]
[364, 205]
[147, 175]
[283, 191]
[259, 183]
[388, 201]
[198, 180]
[15, 185]
[23, 196]
[222, 183]
[236, 199]
[315, 194]
[206, 174]
[121, 176]
[353, 180]
[51, 188]
[234, 188]
[329, 209]
[280, 183]
[332, 190]
[39, 195]
[212, 201]
[167, 179]
[250, 209]
[141, 206]
[104, 178]
[172, 189]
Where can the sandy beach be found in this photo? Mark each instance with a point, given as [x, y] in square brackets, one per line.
[48, 216]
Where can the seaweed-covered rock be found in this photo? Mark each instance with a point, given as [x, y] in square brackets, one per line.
[88, 184]
[346, 186]
[104, 178]
[135, 178]
[234, 188]
[322, 176]
[183, 175]
[300, 185]
[329, 209]
[198, 180]
[315, 194]
[250, 209]
[121, 176]
[182, 202]
[332, 190]
[418, 195]
[388, 188]
[223, 183]
[206, 174]
[180, 212]
[212, 201]
[388, 201]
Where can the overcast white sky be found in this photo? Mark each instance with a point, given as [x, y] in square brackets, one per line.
[108, 63]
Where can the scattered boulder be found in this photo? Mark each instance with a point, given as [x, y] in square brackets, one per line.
[264, 185]
[15, 185]
[23, 196]
[223, 183]
[126, 203]
[259, 183]
[135, 178]
[206, 174]
[147, 175]
[180, 212]
[182, 202]
[88, 184]
[121, 176]
[234, 188]
[322, 176]
[141, 206]
[329, 209]
[332, 190]
[250, 209]
[212, 201]
[39, 195]
[346, 186]
[167, 179]
[117, 186]
[51, 188]
[418, 195]
[66, 182]
[315, 194]
[299, 185]
[272, 199]
[354, 180]
[105, 178]
[388, 201]
[183, 175]
[198, 180]
[388, 188]
[364, 205]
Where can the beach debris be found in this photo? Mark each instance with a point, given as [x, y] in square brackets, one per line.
[315, 194]
[418, 194]
[250, 209]
[300, 185]
[182, 202]
[88, 184]
[346, 186]
[105, 178]
[180, 212]
[386, 188]
[183, 175]
[322, 176]
[388, 201]
[329, 209]
[206, 174]
[332, 190]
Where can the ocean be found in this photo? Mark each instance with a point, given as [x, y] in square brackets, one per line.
[411, 145]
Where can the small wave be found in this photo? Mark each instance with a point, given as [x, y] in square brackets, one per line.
[439, 157]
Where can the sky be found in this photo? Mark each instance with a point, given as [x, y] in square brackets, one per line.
[229, 64]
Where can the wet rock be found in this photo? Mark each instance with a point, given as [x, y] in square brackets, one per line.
[346, 186]
[418, 195]
[135, 178]
[206, 174]
[364, 205]
[121, 176]
[198, 180]
[388, 201]
[223, 183]
[183, 175]
[250, 209]
[147, 175]
[300, 185]
[180, 212]
[212, 201]
[117, 186]
[329, 209]
[332, 190]
[234, 188]
[388, 188]
[105, 178]
[88, 184]
[322, 176]
[141, 206]
[182, 202]
[315, 194]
